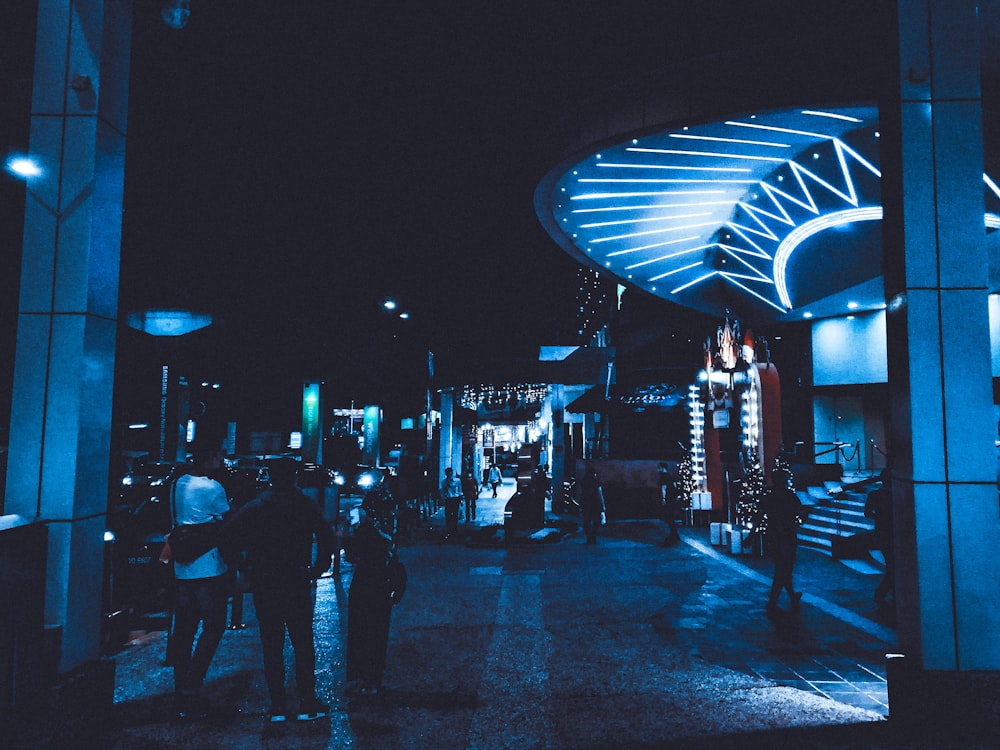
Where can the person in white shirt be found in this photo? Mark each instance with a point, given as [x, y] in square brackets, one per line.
[203, 586]
[495, 478]
[451, 493]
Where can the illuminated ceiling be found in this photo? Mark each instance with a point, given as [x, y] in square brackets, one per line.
[773, 216]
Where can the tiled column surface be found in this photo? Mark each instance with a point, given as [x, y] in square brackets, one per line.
[63, 375]
[942, 432]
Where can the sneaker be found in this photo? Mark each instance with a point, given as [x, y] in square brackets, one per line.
[312, 710]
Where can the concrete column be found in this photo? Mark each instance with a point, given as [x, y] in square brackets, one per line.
[941, 447]
[60, 432]
[557, 456]
[445, 448]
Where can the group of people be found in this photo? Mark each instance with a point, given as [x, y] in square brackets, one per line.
[456, 491]
[271, 538]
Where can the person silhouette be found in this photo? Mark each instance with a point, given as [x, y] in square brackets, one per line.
[276, 531]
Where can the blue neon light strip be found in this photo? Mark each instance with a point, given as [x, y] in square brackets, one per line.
[713, 154]
[804, 231]
[650, 247]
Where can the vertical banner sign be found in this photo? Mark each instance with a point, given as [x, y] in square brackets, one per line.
[164, 392]
[370, 453]
[310, 422]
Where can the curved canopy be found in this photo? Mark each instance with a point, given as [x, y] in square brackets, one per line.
[774, 215]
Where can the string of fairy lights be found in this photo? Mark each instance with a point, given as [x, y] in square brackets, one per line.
[592, 303]
[505, 396]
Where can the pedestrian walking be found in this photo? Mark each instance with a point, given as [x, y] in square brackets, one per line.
[276, 532]
[451, 494]
[878, 506]
[592, 504]
[470, 490]
[669, 502]
[778, 517]
[202, 584]
[374, 590]
[495, 478]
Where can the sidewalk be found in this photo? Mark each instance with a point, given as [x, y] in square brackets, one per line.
[628, 643]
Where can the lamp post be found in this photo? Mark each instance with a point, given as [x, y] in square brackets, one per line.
[167, 327]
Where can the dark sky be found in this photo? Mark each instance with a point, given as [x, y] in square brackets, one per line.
[292, 162]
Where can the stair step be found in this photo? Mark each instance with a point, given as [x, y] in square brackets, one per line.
[817, 541]
[833, 522]
[832, 532]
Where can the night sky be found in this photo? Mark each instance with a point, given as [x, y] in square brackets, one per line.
[292, 163]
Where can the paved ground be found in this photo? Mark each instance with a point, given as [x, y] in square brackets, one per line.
[629, 643]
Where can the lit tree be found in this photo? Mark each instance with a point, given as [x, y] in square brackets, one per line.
[685, 480]
[751, 491]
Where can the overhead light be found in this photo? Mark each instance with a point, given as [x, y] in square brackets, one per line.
[176, 13]
[22, 166]
[852, 305]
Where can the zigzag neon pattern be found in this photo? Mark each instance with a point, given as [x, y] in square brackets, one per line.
[741, 208]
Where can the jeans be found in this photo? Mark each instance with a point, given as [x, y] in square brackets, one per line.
[451, 506]
[290, 607]
[203, 600]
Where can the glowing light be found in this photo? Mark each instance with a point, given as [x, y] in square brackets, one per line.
[22, 166]
[718, 155]
[676, 270]
[606, 196]
[852, 305]
[804, 231]
[832, 115]
[651, 206]
[666, 257]
[675, 166]
[653, 231]
[647, 219]
[991, 185]
[775, 129]
[168, 322]
[667, 181]
[730, 140]
[649, 247]
[389, 304]
[692, 283]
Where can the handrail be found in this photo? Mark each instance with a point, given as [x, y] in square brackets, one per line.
[836, 446]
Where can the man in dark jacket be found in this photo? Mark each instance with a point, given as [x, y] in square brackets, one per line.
[276, 531]
[369, 548]
[779, 516]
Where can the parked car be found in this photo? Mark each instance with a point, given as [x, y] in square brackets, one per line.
[359, 479]
[146, 480]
